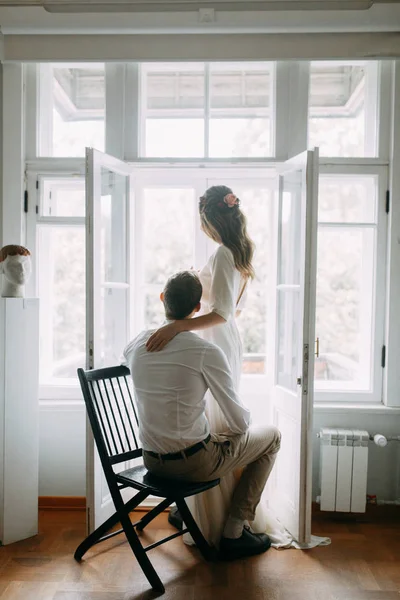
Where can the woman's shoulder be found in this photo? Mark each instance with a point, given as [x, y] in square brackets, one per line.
[223, 253]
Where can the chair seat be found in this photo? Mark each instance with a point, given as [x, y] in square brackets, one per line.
[140, 479]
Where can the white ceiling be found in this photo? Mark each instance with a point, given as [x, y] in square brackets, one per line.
[36, 20]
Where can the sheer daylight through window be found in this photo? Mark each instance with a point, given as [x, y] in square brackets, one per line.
[343, 108]
[212, 110]
[73, 108]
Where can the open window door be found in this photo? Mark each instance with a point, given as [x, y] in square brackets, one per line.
[292, 397]
[108, 224]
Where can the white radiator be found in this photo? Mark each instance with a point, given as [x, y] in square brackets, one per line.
[343, 470]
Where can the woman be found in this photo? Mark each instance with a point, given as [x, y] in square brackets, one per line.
[224, 280]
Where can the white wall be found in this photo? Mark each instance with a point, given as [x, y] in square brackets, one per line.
[62, 461]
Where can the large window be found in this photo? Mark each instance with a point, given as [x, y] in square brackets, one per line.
[213, 123]
[207, 110]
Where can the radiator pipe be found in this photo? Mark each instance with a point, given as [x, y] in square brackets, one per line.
[382, 441]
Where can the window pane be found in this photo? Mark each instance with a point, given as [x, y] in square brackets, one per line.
[61, 257]
[168, 242]
[62, 197]
[256, 201]
[252, 328]
[113, 226]
[77, 95]
[290, 229]
[287, 341]
[344, 316]
[182, 138]
[347, 199]
[239, 137]
[173, 109]
[113, 312]
[154, 309]
[240, 110]
[342, 109]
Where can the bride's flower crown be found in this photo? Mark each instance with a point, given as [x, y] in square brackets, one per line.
[230, 200]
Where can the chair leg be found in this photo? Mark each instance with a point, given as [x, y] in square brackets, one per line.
[98, 533]
[152, 514]
[206, 550]
[140, 554]
[94, 537]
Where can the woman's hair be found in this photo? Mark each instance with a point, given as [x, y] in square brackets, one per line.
[223, 221]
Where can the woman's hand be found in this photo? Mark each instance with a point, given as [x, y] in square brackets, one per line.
[162, 336]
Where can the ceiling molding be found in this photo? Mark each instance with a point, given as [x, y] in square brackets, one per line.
[187, 5]
[201, 47]
[34, 19]
[150, 6]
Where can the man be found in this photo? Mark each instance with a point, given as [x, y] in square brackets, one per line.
[170, 388]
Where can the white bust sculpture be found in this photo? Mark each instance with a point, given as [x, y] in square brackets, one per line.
[15, 265]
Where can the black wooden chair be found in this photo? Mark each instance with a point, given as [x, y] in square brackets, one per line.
[113, 417]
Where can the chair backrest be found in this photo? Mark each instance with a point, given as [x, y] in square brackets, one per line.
[112, 413]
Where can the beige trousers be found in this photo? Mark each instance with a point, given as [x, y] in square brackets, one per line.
[254, 451]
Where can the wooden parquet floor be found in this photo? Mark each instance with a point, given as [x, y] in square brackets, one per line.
[363, 563]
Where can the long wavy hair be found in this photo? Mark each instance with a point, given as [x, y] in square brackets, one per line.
[224, 222]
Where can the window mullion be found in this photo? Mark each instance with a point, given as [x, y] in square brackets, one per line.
[280, 109]
[371, 114]
[298, 91]
[115, 109]
[207, 105]
[133, 110]
[31, 110]
[383, 114]
[13, 155]
[45, 110]
[31, 233]
[391, 384]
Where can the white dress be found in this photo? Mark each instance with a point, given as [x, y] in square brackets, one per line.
[222, 286]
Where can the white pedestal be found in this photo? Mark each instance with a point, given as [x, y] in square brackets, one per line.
[19, 431]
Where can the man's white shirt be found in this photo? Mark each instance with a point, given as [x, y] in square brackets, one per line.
[170, 388]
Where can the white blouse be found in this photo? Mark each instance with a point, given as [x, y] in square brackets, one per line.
[222, 285]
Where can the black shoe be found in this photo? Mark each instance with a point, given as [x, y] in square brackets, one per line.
[175, 519]
[249, 544]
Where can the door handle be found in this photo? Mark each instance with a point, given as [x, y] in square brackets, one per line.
[317, 347]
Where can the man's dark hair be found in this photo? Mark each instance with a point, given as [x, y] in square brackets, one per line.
[182, 294]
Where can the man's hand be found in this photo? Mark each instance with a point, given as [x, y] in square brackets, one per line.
[160, 338]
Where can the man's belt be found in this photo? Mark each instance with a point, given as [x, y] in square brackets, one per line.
[182, 453]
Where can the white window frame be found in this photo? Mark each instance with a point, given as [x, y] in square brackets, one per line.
[375, 393]
[37, 171]
[291, 116]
